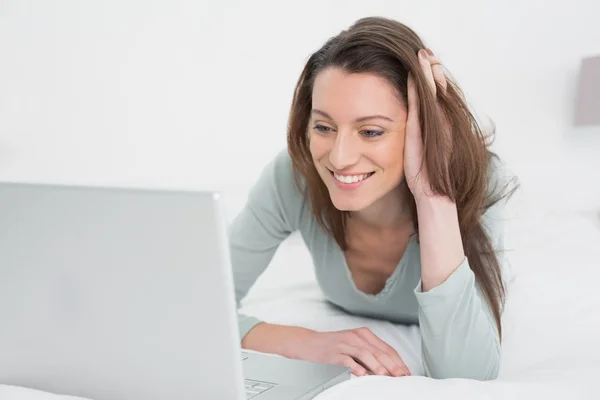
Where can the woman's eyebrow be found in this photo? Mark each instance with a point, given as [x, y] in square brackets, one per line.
[360, 119]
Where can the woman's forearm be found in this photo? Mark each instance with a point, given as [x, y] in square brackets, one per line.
[440, 240]
[454, 311]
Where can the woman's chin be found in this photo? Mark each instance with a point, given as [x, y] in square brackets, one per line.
[346, 204]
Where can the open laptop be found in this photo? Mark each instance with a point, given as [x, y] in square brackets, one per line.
[127, 294]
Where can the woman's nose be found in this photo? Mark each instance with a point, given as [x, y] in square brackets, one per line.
[345, 151]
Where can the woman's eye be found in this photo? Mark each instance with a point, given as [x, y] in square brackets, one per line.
[322, 128]
[370, 133]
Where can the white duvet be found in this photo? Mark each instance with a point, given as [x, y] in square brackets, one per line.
[551, 345]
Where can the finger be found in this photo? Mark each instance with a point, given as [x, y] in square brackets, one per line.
[398, 367]
[440, 77]
[413, 102]
[347, 361]
[363, 356]
[394, 367]
[427, 71]
[438, 70]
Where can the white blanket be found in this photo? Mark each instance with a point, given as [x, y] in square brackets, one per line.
[551, 345]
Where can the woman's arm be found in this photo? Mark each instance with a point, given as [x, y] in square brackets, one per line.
[441, 243]
[460, 336]
[270, 215]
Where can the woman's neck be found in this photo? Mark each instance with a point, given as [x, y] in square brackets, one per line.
[390, 211]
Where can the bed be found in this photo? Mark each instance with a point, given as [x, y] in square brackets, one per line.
[551, 345]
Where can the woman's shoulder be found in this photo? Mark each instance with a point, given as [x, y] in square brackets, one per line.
[502, 184]
[281, 174]
[282, 162]
[278, 189]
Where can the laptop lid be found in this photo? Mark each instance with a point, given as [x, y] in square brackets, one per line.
[116, 293]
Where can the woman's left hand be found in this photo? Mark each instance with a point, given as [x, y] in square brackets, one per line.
[416, 177]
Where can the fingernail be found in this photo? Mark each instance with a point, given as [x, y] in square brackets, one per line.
[422, 54]
[430, 52]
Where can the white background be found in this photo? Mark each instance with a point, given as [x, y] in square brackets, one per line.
[196, 94]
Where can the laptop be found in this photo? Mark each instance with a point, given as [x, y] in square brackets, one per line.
[127, 294]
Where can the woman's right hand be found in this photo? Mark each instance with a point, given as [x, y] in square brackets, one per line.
[360, 349]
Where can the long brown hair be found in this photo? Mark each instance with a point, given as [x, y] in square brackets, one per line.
[389, 49]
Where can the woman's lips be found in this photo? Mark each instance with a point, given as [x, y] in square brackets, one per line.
[350, 181]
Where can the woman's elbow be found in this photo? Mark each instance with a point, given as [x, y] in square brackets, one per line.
[468, 368]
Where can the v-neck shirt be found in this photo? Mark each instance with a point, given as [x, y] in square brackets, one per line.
[459, 333]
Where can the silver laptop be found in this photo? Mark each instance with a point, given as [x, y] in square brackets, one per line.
[127, 294]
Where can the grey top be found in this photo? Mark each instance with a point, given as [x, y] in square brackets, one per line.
[459, 334]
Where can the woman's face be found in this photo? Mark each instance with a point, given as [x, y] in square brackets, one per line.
[356, 132]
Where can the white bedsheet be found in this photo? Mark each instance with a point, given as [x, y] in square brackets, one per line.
[551, 346]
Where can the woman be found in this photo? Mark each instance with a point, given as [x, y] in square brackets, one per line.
[389, 180]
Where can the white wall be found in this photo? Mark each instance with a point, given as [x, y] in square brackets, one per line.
[519, 62]
[196, 93]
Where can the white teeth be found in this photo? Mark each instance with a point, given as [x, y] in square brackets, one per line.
[350, 179]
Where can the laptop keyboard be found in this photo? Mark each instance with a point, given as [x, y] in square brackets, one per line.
[254, 388]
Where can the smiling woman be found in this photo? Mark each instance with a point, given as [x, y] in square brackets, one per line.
[365, 139]
[389, 180]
